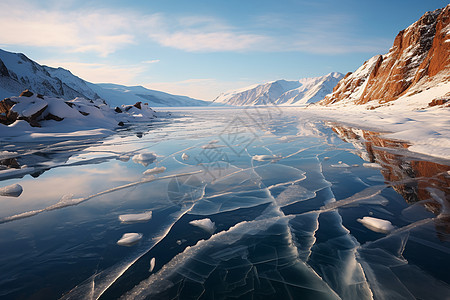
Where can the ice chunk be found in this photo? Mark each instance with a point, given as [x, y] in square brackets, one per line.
[124, 158]
[13, 190]
[377, 225]
[130, 218]
[144, 158]
[372, 165]
[205, 224]
[265, 157]
[340, 164]
[152, 264]
[184, 156]
[155, 170]
[129, 239]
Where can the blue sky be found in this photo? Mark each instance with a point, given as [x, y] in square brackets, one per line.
[203, 48]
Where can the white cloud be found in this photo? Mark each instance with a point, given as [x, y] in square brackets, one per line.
[101, 73]
[223, 41]
[153, 61]
[23, 23]
[104, 31]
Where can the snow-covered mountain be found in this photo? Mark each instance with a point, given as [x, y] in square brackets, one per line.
[118, 94]
[18, 72]
[415, 73]
[283, 92]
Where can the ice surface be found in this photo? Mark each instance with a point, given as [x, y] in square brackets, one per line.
[377, 225]
[13, 190]
[205, 224]
[131, 218]
[283, 227]
[129, 239]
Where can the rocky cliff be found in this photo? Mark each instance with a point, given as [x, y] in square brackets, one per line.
[418, 60]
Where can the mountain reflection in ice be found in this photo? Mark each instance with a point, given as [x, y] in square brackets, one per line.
[252, 204]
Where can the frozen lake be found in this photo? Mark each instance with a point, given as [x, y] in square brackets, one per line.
[224, 203]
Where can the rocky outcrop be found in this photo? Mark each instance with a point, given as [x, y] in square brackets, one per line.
[36, 109]
[418, 59]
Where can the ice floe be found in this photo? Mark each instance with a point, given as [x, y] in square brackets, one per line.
[13, 190]
[129, 239]
[184, 156]
[372, 165]
[205, 224]
[155, 170]
[152, 264]
[145, 158]
[375, 224]
[131, 218]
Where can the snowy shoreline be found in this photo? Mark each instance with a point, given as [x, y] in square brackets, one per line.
[428, 130]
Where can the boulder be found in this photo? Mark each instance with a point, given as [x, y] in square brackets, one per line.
[26, 93]
[138, 105]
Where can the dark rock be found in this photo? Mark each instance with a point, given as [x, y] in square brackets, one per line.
[121, 123]
[117, 110]
[436, 102]
[10, 163]
[70, 104]
[40, 96]
[3, 69]
[33, 119]
[138, 105]
[84, 113]
[5, 105]
[26, 93]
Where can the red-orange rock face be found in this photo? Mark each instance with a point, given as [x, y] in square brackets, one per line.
[420, 54]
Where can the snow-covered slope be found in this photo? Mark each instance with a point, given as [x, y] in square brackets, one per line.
[18, 72]
[283, 92]
[118, 94]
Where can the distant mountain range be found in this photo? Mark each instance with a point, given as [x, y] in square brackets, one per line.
[415, 73]
[283, 92]
[18, 72]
